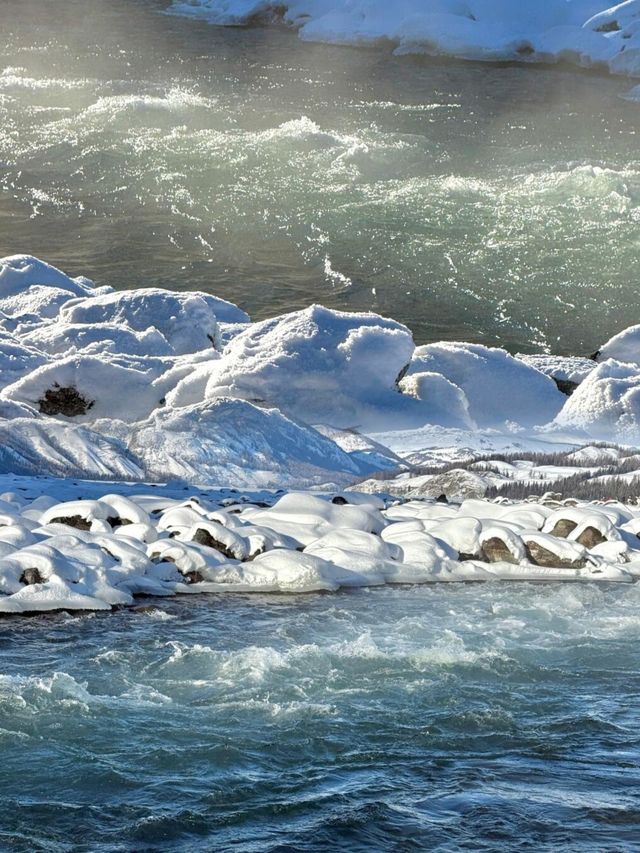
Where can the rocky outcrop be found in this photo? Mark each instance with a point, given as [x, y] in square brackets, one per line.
[64, 401]
[495, 550]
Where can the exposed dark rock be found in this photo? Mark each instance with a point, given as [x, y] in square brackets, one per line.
[540, 556]
[339, 500]
[442, 499]
[255, 553]
[608, 27]
[566, 386]
[203, 537]
[117, 521]
[595, 355]
[76, 521]
[31, 576]
[194, 577]
[590, 537]
[64, 401]
[495, 550]
[401, 375]
[563, 527]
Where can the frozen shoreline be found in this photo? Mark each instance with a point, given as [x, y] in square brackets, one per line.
[152, 385]
[588, 33]
[100, 552]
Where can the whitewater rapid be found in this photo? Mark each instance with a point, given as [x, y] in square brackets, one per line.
[471, 202]
[421, 716]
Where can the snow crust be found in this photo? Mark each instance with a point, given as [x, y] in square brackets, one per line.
[589, 33]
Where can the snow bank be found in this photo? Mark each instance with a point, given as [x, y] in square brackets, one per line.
[152, 384]
[607, 403]
[322, 366]
[589, 33]
[98, 553]
[188, 321]
[233, 442]
[625, 346]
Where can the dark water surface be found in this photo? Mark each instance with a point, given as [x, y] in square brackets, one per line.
[492, 203]
[479, 717]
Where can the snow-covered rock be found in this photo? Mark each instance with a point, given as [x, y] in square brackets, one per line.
[498, 387]
[101, 551]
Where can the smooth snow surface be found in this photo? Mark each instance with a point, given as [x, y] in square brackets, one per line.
[586, 32]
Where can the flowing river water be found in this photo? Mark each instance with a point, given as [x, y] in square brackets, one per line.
[494, 204]
[478, 717]
[488, 203]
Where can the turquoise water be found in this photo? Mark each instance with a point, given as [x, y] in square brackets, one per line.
[496, 717]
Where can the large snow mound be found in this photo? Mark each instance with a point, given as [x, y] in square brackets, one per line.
[188, 321]
[155, 384]
[589, 33]
[322, 366]
[606, 403]
[496, 386]
[625, 346]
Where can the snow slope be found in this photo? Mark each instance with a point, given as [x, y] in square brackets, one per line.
[589, 33]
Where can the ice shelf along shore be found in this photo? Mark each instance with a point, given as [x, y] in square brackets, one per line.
[589, 33]
[152, 385]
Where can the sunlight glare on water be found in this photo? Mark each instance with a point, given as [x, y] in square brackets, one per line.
[494, 204]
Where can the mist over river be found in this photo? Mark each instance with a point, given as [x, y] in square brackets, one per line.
[488, 203]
